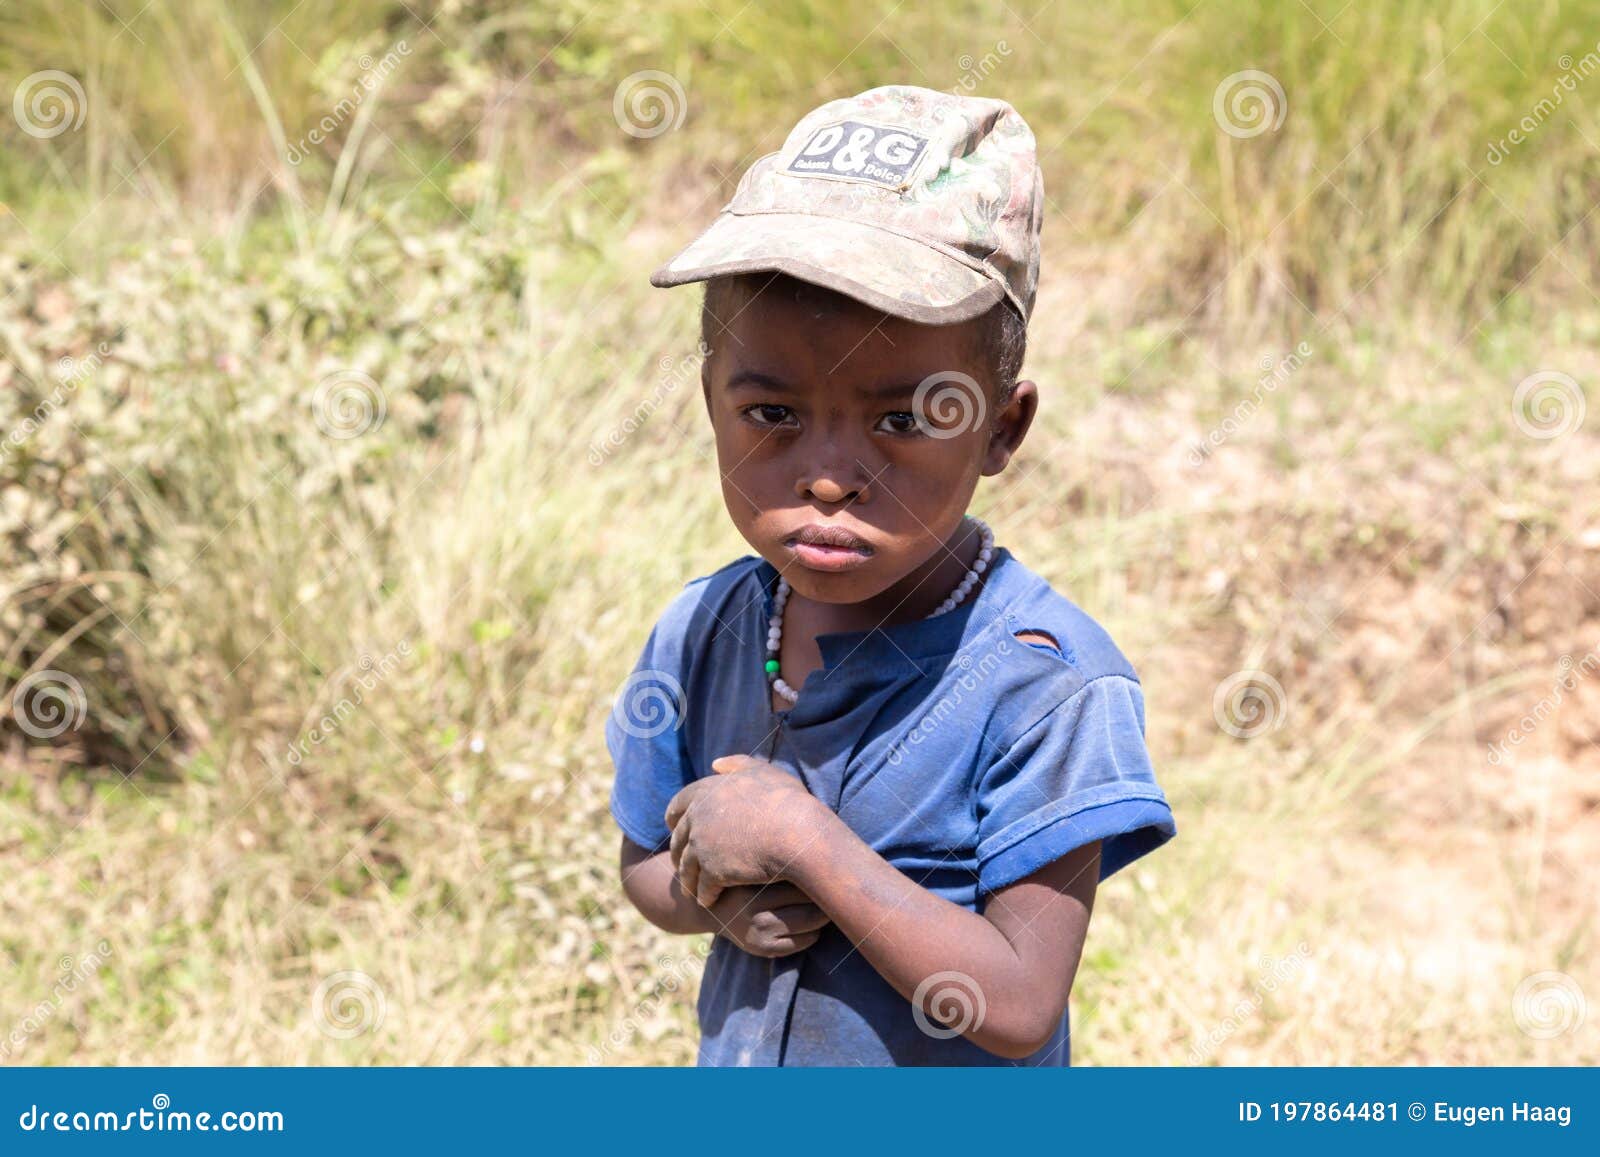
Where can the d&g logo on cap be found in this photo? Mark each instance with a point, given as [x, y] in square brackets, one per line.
[858, 151]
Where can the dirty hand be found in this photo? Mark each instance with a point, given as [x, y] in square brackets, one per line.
[769, 919]
[744, 825]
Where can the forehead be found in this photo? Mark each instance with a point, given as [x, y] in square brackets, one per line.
[813, 338]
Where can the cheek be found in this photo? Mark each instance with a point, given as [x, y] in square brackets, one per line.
[745, 475]
[934, 477]
[741, 501]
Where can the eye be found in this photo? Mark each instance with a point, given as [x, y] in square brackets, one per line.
[902, 423]
[767, 414]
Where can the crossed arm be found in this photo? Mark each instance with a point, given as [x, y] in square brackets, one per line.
[758, 858]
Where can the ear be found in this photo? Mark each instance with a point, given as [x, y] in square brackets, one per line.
[1010, 426]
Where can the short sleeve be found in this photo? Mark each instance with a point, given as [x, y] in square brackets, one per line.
[645, 735]
[1079, 774]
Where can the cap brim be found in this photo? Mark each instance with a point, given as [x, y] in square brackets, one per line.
[861, 261]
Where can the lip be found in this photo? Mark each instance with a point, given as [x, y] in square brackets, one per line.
[828, 548]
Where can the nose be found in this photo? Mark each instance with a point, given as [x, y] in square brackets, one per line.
[826, 486]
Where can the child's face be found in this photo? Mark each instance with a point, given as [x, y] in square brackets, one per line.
[816, 414]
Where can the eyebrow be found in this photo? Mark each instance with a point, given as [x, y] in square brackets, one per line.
[755, 379]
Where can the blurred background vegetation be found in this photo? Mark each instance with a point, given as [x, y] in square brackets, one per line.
[460, 583]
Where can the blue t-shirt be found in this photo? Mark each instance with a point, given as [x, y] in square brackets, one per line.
[965, 757]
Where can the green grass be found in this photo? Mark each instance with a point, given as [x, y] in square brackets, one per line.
[1376, 187]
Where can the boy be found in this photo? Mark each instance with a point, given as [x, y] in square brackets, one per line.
[900, 857]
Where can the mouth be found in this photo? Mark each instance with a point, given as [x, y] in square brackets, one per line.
[828, 548]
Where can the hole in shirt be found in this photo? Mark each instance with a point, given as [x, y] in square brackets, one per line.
[1042, 640]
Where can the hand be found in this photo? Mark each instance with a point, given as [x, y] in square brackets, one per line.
[743, 825]
[769, 920]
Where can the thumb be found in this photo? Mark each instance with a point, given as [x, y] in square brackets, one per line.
[726, 764]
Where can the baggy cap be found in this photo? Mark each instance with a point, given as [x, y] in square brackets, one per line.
[923, 204]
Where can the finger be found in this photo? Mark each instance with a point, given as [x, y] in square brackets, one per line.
[789, 945]
[689, 872]
[679, 803]
[801, 918]
[680, 839]
[706, 892]
[724, 764]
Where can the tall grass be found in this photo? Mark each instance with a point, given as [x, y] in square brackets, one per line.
[1376, 189]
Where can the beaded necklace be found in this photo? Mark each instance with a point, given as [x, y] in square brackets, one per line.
[955, 599]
